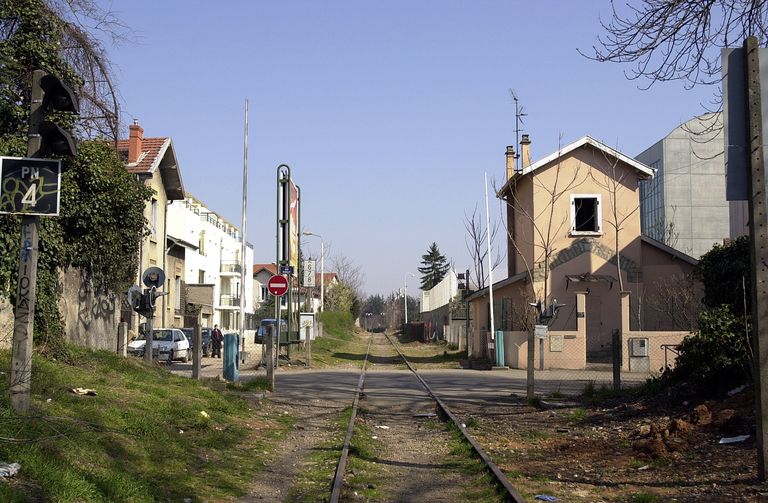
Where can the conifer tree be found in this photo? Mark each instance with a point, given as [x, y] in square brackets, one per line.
[434, 267]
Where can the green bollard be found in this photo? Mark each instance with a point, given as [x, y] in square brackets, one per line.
[230, 357]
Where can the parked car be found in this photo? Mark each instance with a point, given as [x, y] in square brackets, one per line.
[169, 344]
[206, 346]
[262, 330]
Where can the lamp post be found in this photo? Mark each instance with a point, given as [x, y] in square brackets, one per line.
[405, 295]
[322, 267]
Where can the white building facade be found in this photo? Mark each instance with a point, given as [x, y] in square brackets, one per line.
[213, 251]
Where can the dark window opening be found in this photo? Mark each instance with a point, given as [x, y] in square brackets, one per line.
[586, 215]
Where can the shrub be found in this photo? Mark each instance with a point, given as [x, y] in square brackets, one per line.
[718, 356]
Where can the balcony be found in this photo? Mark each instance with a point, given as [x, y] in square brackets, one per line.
[229, 300]
[231, 267]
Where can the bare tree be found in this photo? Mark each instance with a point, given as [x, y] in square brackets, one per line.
[679, 39]
[545, 223]
[477, 246]
[611, 178]
[82, 23]
[348, 273]
[537, 248]
[678, 299]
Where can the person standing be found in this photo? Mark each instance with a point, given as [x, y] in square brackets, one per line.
[216, 340]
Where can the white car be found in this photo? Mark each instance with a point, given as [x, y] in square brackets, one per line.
[167, 344]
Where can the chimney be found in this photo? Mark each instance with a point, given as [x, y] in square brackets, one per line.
[525, 150]
[135, 135]
[510, 161]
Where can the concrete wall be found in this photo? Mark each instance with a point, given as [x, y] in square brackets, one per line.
[691, 185]
[562, 350]
[6, 323]
[436, 322]
[90, 318]
[441, 294]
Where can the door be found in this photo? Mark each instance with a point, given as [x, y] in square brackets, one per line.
[596, 348]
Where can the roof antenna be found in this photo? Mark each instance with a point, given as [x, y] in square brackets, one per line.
[519, 114]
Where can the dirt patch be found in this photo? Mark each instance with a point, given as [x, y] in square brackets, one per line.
[283, 466]
[650, 450]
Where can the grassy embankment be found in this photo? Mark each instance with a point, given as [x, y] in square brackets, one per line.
[343, 344]
[146, 436]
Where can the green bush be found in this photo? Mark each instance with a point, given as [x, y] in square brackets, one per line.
[718, 356]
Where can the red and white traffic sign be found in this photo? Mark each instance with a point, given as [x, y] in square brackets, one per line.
[277, 285]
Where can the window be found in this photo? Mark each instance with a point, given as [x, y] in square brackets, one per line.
[586, 214]
[177, 304]
[264, 292]
[200, 276]
[201, 244]
[153, 218]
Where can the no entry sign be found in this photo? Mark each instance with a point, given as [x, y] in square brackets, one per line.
[277, 285]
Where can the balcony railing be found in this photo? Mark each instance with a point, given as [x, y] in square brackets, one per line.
[231, 266]
[228, 300]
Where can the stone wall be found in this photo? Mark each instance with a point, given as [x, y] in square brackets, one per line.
[90, 318]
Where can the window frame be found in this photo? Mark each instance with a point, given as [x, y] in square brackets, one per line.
[598, 212]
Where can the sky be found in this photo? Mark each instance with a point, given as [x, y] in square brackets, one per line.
[389, 114]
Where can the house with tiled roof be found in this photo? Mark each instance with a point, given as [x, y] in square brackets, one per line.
[154, 162]
[574, 235]
[262, 273]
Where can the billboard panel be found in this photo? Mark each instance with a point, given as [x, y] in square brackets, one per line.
[293, 226]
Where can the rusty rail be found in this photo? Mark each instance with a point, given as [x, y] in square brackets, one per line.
[342, 466]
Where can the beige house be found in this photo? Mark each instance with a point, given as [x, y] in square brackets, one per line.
[153, 160]
[563, 213]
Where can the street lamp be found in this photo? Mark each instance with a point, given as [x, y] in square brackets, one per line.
[405, 295]
[322, 267]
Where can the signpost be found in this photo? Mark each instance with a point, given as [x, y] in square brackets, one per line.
[277, 285]
[309, 273]
[29, 186]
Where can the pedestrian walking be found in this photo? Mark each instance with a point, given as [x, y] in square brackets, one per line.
[216, 340]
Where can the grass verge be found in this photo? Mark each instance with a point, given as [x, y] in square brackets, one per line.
[341, 344]
[464, 460]
[146, 436]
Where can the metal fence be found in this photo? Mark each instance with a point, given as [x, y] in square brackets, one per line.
[563, 363]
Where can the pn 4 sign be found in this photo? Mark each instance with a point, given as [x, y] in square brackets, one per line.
[29, 186]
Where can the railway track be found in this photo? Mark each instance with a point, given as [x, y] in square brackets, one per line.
[503, 486]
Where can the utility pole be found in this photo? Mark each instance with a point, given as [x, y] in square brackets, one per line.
[758, 232]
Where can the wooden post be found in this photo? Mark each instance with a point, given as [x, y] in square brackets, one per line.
[616, 349]
[758, 231]
[26, 289]
[122, 339]
[530, 388]
[26, 295]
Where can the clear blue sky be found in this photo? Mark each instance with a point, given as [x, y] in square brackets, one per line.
[388, 113]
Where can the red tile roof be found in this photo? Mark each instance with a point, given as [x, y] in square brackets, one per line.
[150, 152]
[329, 277]
[270, 268]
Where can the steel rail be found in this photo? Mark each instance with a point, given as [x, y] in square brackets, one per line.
[342, 466]
[511, 493]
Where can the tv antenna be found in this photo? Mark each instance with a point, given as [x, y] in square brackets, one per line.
[519, 114]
